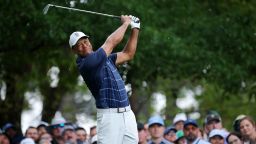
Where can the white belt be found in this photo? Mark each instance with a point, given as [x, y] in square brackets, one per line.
[114, 110]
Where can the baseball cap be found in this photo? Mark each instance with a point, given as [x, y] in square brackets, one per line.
[43, 124]
[155, 120]
[179, 117]
[179, 135]
[140, 126]
[58, 119]
[27, 141]
[7, 126]
[74, 37]
[68, 127]
[212, 116]
[236, 122]
[217, 132]
[190, 122]
[168, 129]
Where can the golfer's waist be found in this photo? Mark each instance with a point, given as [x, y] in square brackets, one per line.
[114, 110]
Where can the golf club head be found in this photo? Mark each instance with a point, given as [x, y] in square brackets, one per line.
[46, 8]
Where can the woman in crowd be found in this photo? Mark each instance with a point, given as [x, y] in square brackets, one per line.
[247, 130]
[234, 138]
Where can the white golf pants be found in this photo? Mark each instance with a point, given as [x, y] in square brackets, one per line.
[116, 126]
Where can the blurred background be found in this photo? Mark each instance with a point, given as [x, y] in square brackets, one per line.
[193, 56]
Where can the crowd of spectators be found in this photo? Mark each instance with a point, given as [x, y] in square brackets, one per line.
[58, 132]
[183, 130]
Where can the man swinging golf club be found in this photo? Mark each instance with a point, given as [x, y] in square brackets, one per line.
[116, 123]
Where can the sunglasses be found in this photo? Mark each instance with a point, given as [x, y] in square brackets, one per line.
[58, 125]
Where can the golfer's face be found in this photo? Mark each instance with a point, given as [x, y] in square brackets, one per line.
[83, 47]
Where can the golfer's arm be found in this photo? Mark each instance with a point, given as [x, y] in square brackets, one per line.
[130, 48]
[115, 38]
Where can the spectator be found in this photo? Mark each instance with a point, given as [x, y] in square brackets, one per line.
[234, 138]
[212, 121]
[56, 128]
[69, 135]
[32, 132]
[13, 134]
[81, 135]
[236, 123]
[170, 134]
[179, 120]
[147, 132]
[217, 136]
[42, 128]
[45, 138]
[93, 132]
[156, 129]
[247, 129]
[191, 131]
[180, 139]
[142, 133]
[4, 139]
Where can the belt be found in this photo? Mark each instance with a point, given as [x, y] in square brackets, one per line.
[114, 110]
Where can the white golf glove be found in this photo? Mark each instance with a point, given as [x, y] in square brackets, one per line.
[135, 23]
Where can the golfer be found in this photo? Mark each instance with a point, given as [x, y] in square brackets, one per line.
[116, 123]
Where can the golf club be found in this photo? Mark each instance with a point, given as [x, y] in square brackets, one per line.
[46, 8]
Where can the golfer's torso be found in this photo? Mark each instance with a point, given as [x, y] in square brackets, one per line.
[112, 92]
[105, 83]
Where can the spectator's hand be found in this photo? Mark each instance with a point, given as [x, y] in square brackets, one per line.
[135, 23]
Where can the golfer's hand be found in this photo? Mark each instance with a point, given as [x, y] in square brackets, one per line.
[135, 23]
[125, 19]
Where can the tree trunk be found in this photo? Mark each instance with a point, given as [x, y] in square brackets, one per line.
[11, 107]
[51, 103]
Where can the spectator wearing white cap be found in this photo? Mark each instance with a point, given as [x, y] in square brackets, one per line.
[179, 120]
[27, 141]
[191, 132]
[156, 129]
[56, 127]
[217, 136]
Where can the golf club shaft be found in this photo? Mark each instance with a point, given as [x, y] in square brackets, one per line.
[86, 11]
